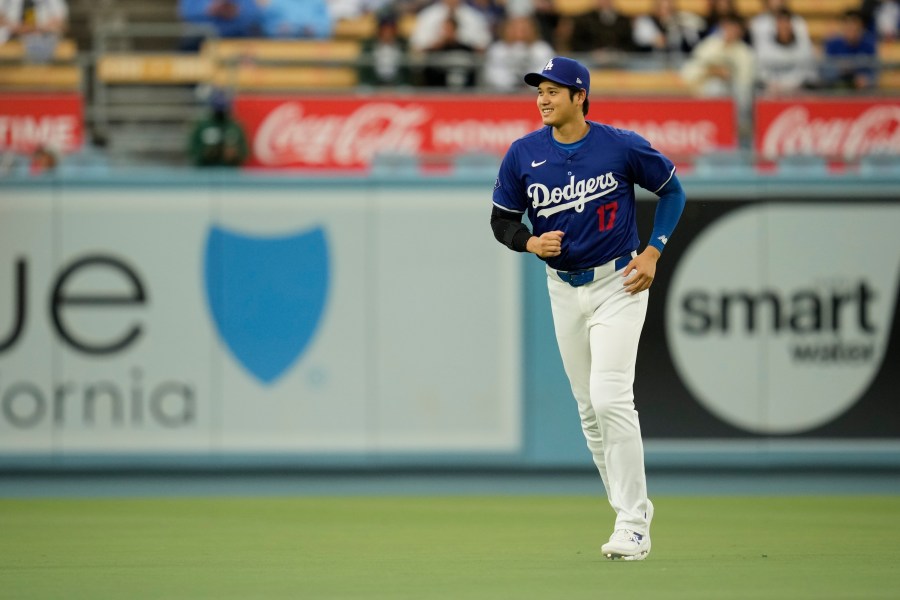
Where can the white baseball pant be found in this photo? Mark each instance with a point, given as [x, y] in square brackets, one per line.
[598, 326]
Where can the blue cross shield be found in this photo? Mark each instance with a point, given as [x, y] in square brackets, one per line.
[266, 295]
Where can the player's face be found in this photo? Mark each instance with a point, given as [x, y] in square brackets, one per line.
[556, 105]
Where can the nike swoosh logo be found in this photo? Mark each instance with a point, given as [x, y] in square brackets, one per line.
[537, 164]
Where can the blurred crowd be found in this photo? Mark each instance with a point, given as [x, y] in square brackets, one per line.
[464, 43]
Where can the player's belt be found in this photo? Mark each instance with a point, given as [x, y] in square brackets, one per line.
[583, 276]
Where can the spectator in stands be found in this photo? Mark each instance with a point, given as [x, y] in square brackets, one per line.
[385, 55]
[723, 65]
[851, 55]
[519, 50]
[602, 29]
[549, 20]
[493, 11]
[293, 19]
[231, 18]
[762, 26]
[667, 30]
[714, 11]
[882, 17]
[785, 64]
[218, 140]
[887, 20]
[450, 61]
[38, 23]
[430, 31]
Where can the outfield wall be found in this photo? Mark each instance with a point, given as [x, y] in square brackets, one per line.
[227, 319]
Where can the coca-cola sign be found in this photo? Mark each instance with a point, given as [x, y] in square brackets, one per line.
[53, 121]
[835, 129]
[340, 132]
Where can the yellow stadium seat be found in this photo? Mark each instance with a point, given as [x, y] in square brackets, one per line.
[575, 7]
[821, 28]
[254, 77]
[40, 77]
[65, 51]
[620, 81]
[283, 50]
[889, 80]
[406, 24]
[159, 69]
[811, 8]
[360, 28]
[889, 52]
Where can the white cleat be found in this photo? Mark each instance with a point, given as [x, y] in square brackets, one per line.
[627, 544]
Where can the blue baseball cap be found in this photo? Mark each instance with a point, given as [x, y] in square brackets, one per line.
[564, 71]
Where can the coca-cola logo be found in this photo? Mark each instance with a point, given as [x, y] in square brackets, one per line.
[794, 131]
[289, 134]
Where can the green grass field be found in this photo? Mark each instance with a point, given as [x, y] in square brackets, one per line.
[448, 547]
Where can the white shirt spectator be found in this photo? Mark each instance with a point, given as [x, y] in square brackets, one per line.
[519, 8]
[519, 52]
[681, 36]
[785, 62]
[473, 29]
[762, 29]
[49, 16]
[723, 64]
[887, 19]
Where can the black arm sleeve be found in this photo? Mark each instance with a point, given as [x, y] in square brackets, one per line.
[509, 229]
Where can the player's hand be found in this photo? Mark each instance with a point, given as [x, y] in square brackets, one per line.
[644, 267]
[546, 246]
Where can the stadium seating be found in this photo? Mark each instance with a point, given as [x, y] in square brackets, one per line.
[242, 64]
[625, 81]
[264, 64]
[40, 77]
[124, 68]
[889, 52]
[889, 81]
[288, 78]
[14, 50]
[359, 28]
[61, 73]
[294, 51]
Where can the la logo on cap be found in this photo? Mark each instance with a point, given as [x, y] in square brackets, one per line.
[549, 66]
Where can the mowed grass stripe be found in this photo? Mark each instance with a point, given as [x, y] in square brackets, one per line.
[460, 547]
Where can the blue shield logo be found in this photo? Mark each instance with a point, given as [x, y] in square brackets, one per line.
[266, 295]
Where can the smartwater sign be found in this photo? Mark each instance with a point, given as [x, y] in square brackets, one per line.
[288, 319]
[779, 319]
[791, 309]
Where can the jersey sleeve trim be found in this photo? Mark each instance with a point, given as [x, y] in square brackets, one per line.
[665, 182]
[507, 209]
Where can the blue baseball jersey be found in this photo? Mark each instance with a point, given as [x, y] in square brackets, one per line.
[588, 193]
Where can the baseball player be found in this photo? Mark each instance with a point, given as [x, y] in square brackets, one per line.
[575, 180]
